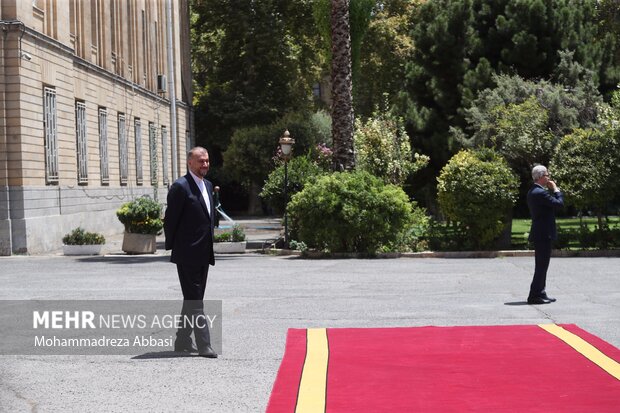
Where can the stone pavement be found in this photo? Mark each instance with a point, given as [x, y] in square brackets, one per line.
[262, 297]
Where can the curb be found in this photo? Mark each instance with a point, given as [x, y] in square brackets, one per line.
[257, 248]
[439, 254]
[280, 252]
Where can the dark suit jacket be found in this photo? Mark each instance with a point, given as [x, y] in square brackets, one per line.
[187, 224]
[542, 205]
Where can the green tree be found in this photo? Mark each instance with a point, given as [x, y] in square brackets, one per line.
[477, 189]
[609, 36]
[442, 33]
[342, 92]
[360, 12]
[521, 134]
[250, 155]
[383, 149]
[571, 102]
[253, 62]
[609, 114]
[587, 167]
[301, 170]
[460, 44]
[385, 49]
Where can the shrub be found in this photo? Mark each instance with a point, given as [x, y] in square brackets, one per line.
[587, 168]
[564, 238]
[521, 134]
[298, 245]
[223, 237]
[586, 236]
[412, 238]
[446, 237]
[300, 171]
[236, 235]
[605, 237]
[351, 212]
[477, 190]
[80, 237]
[141, 216]
[383, 149]
[248, 158]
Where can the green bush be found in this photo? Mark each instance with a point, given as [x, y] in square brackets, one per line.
[382, 148]
[298, 245]
[447, 237]
[573, 233]
[602, 238]
[563, 241]
[585, 238]
[300, 170]
[223, 237]
[80, 237]
[236, 235]
[141, 216]
[477, 190]
[352, 212]
[586, 167]
[249, 157]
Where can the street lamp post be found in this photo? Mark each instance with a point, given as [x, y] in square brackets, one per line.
[286, 146]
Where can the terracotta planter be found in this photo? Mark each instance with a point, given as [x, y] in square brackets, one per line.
[229, 247]
[82, 249]
[139, 243]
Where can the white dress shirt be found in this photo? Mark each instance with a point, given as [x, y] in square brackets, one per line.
[203, 190]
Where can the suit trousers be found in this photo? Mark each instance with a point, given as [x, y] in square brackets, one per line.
[542, 256]
[193, 279]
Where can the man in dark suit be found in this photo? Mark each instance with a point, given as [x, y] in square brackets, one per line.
[542, 199]
[189, 226]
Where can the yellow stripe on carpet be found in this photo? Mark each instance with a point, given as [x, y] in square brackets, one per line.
[588, 350]
[313, 384]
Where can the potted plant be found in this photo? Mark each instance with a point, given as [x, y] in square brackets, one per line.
[230, 242]
[80, 242]
[142, 220]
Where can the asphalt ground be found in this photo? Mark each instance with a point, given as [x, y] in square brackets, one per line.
[262, 297]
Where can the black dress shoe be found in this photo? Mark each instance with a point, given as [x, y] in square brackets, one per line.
[537, 300]
[550, 299]
[207, 352]
[185, 349]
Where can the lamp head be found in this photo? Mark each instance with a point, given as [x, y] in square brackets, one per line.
[286, 144]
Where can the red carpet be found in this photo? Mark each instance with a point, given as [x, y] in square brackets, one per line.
[447, 369]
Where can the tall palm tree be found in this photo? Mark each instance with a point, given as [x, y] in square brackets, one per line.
[342, 95]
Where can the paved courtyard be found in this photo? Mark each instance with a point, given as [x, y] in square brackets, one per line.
[262, 297]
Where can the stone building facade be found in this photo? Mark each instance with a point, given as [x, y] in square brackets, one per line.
[91, 116]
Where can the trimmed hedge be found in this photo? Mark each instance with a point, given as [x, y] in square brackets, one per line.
[477, 190]
[353, 212]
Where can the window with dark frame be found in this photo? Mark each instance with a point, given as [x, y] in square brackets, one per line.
[103, 146]
[81, 142]
[123, 157]
[153, 152]
[137, 126]
[164, 150]
[51, 135]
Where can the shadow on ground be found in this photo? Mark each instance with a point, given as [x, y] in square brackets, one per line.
[163, 355]
[125, 259]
